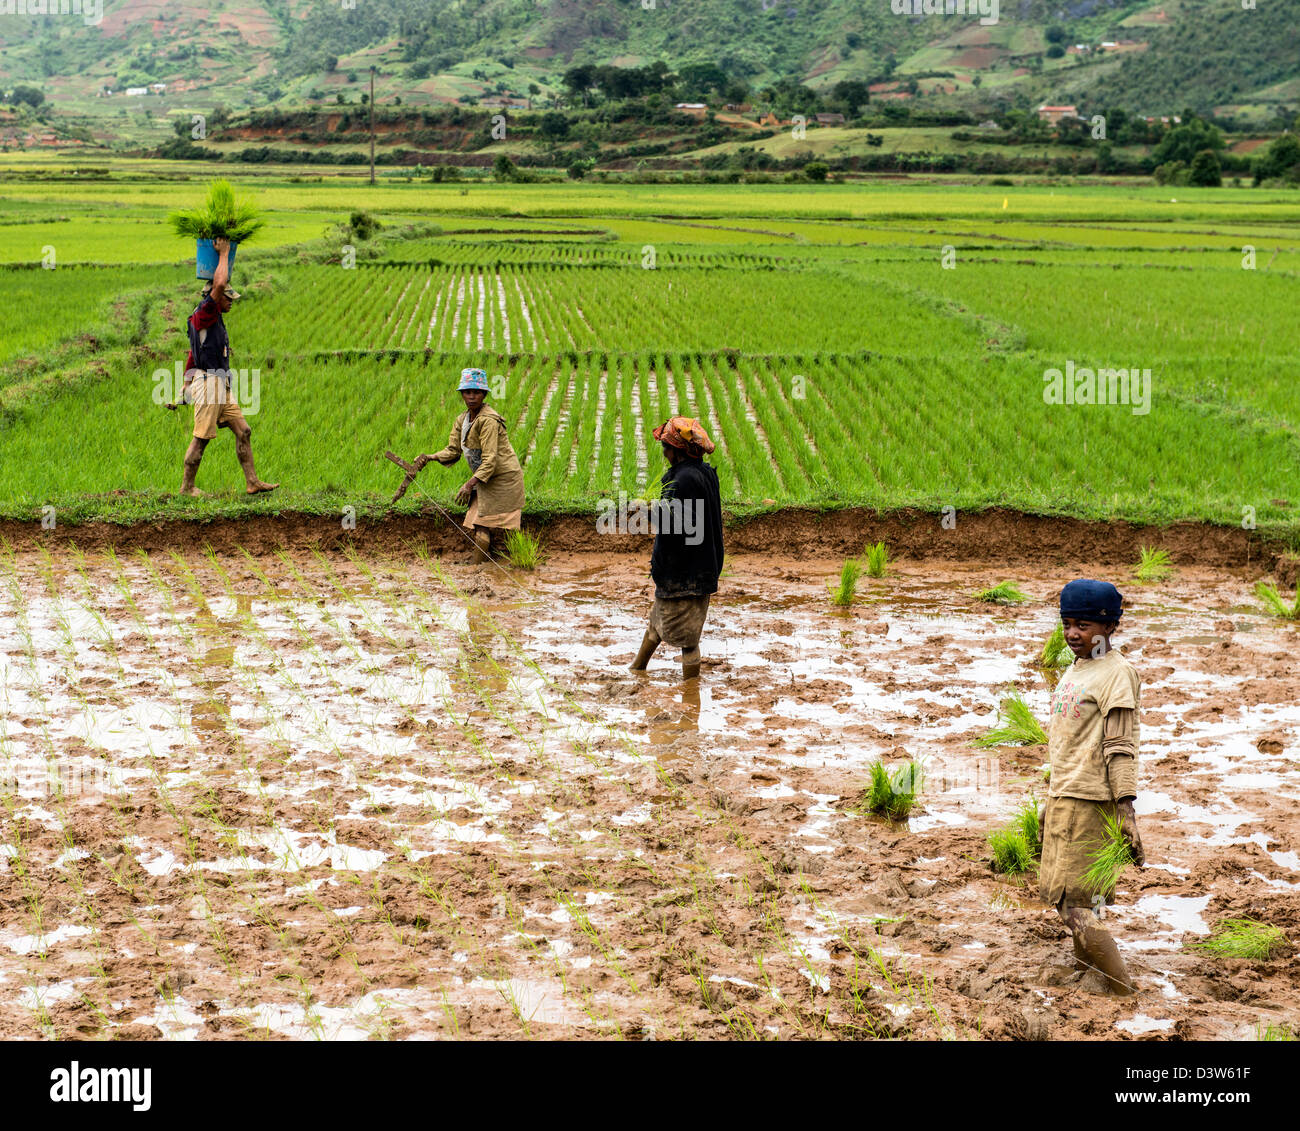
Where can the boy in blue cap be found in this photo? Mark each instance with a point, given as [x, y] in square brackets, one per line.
[1092, 747]
[495, 488]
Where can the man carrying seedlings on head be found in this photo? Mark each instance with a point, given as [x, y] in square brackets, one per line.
[1092, 746]
[687, 556]
[495, 488]
[208, 380]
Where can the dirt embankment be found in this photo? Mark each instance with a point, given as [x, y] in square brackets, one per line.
[993, 534]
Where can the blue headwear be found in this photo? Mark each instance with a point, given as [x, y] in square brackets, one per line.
[1091, 600]
[472, 379]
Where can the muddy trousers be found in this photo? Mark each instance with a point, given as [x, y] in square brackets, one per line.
[678, 622]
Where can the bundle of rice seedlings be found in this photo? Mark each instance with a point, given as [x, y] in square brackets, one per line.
[850, 572]
[1018, 727]
[221, 215]
[1025, 820]
[893, 795]
[1056, 652]
[525, 549]
[1243, 938]
[1155, 565]
[877, 559]
[1011, 852]
[1004, 593]
[1276, 603]
[1109, 859]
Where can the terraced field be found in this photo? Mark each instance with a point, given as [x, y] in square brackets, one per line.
[878, 346]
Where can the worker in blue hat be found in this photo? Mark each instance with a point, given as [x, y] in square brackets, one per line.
[1092, 747]
[494, 491]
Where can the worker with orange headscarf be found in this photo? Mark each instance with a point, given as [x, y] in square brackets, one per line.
[687, 556]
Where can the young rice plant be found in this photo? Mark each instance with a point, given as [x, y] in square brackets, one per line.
[844, 593]
[877, 559]
[525, 549]
[1056, 652]
[1155, 565]
[1276, 603]
[1017, 725]
[1004, 593]
[1243, 938]
[893, 795]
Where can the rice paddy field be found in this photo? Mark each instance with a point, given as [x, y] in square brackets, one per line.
[265, 774]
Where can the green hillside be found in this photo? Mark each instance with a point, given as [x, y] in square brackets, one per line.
[1165, 56]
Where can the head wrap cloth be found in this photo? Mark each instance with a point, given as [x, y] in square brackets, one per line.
[1085, 599]
[686, 434]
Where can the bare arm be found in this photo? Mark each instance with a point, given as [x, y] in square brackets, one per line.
[221, 276]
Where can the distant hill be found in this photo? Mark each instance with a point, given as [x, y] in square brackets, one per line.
[1161, 56]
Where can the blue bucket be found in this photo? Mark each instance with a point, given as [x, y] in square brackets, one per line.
[207, 258]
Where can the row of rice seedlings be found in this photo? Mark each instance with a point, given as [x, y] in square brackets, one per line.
[1017, 725]
[668, 782]
[1156, 565]
[245, 893]
[798, 1021]
[518, 851]
[1244, 938]
[1004, 593]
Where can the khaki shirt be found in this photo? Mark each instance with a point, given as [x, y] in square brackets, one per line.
[1086, 692]
[500, 493]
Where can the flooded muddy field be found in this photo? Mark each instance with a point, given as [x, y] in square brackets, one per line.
[339, 795]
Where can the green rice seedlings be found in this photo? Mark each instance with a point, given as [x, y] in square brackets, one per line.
[1155, 565]
[1004, 593]
[844, 593]
[877, 559]
[525, 549]
[1055, 653]
[1026, 820]
[1017, 725]
[1271, 1032]
[1011, 852]
[220, 215]
[1109, 858]
[1243, 938]
[1019, 844]
[893, 795]
[1276, 603]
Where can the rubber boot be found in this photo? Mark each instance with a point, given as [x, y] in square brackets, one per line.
[1100, 951]
[690, 663]
[649, 642]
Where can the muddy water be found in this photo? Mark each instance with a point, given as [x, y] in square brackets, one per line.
[303, 796]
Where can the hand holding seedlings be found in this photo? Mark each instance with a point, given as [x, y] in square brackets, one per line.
[1129, 831]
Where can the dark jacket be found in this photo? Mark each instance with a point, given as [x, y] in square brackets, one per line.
[213, 353]
[687, 556]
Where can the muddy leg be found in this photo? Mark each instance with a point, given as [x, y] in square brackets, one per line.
[1093, 945]
[193, 457]
[244, 453]
[482, 545]
[649, 643]
[690, 663]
